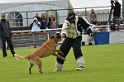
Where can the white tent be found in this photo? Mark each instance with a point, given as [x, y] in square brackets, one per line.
[28, 9]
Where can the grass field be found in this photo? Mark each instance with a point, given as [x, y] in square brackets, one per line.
[103, 63]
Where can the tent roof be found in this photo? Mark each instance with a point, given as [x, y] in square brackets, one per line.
[60, 3]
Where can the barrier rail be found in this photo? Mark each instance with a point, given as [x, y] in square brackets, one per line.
[23, 38]
[42, 30]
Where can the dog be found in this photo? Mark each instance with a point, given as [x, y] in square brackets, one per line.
[46, 49]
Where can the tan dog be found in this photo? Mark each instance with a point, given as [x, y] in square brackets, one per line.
[46, 49]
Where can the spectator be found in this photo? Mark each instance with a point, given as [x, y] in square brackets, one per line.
[6, 36]
[43, 21]
[72, 31]
[37, 16]
[35, 29]
[93, 18]
[51, 18]
[53, 25]
[117, 11]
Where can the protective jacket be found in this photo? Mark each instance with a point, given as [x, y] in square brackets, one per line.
[73, 30]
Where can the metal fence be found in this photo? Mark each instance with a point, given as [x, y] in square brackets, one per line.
[24, 38]
[24, 18]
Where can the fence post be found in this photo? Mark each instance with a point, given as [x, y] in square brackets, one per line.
[27, 18]
[85, 12]
[123, 11]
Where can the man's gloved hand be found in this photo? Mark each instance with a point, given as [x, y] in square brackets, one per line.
[91, 34]
[63, 35]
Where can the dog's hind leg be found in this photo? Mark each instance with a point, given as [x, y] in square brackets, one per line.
[39, 63]
[31, 65]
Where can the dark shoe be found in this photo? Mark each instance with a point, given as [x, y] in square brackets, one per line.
[4, 56]
[90, 44]
[34, 47]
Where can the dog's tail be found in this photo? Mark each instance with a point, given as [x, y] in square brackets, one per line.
[19, 57]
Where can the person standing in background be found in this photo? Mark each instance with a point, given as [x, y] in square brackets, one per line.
[43, 21]
[51, 18]
[6, 36]
[93, 17]
[117, 9]
[35, 29]
[37, 16]
[116, 12]
[53, 25]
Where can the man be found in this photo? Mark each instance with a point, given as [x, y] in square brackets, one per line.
[37, 16]
[72, 31]
[35, 28]
[5, 33]
[117, 12]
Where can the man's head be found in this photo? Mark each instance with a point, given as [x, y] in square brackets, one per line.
[35, 20]
[116, 0]
[36, 15]
[71, 17]
[2, 16]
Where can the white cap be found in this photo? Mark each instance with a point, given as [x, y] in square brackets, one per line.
[35, 19]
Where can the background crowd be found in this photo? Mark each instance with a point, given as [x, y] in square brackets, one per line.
[46, 23]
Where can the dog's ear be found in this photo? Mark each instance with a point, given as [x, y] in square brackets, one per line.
[51, 37]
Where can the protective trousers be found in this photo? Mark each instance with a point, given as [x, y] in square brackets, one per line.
[65, 47]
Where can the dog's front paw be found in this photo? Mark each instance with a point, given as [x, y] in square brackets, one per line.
[64, 59]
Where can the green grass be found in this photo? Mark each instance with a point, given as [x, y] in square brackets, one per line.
[103, 63]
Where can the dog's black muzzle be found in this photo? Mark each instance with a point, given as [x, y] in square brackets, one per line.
[58, 35]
